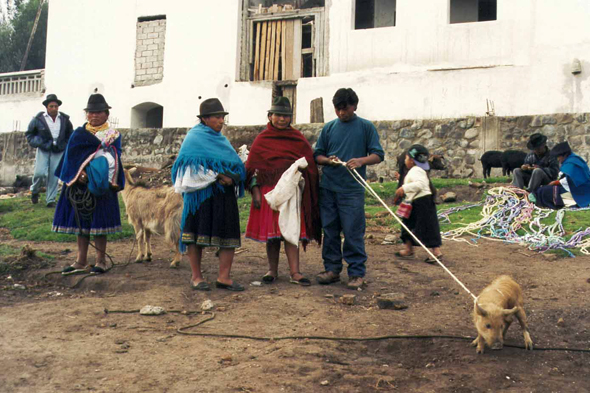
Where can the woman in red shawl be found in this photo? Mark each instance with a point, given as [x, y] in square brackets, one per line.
[274, 150]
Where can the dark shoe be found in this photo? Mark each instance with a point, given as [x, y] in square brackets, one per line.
[356, 283]
[35, 198]
[303, 281]
[230, 287]
[268, 278]
[51, 204]
[97, 270]
[326, 278]
[69, 270]
[202, 286]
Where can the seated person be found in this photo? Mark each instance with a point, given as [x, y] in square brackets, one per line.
[539, 167]
[572, 186]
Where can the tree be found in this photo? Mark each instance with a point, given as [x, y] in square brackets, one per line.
[15, 30]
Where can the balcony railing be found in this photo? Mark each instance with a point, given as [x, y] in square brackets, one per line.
[24, 82]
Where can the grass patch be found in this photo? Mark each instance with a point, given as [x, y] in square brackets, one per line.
[26, 221]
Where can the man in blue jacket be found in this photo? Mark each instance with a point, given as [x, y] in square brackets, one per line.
[49, 132]
[355, 141]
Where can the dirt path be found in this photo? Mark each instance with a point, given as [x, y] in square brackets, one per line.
[55, 339]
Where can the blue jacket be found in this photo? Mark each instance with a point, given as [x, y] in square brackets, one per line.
[39, 135]
[578, 178]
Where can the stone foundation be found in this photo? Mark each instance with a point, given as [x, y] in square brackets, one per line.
[462, 142]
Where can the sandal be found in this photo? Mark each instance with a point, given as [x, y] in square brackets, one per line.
[201, 286]
[433, 261]
[70, 270]
[399, 255]
[303, 281]
[269, 278]
[97, 270]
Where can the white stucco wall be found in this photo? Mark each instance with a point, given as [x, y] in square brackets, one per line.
[200, 58]
[16, 115]
[423, 67]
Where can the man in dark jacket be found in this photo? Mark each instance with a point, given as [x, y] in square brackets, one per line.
[539, 168]
[49, 132]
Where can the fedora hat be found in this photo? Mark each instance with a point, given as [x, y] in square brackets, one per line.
[536, 140]
[211, 107]
[281, 106]
[96, 103]
[51, 98]
[561, 149]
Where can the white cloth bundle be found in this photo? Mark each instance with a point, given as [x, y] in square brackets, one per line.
[286, 199]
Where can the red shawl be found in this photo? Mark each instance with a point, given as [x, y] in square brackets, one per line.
[272, 153]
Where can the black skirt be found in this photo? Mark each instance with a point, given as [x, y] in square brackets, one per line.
[216, 223]
[423, 222]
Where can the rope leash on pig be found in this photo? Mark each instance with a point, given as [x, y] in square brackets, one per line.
[366, 186]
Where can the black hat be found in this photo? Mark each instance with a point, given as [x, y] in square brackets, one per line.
[420, 156]
[51, 98]
[96, 103]
[281, 106]
[536, 140]
[210, 107]
[561, 149]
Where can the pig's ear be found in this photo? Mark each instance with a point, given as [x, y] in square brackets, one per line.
[512, 311]
[480, 310]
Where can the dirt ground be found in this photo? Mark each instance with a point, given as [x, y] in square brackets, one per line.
[57, 339]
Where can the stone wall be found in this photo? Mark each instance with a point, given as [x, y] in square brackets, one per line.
[462, 142]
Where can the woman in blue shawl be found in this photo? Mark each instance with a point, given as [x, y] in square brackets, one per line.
[92, 174]
[209, 173]
[572, 186]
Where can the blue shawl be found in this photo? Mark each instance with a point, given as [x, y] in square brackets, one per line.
[205, 147]
[81, 145]
[578, 178]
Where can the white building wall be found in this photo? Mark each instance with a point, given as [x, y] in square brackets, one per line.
[423, 67]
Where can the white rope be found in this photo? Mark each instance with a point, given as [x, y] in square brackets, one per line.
[363, 183]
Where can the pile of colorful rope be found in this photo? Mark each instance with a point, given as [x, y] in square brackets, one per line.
[509, 216]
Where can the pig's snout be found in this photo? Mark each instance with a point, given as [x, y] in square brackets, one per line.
[497, 345]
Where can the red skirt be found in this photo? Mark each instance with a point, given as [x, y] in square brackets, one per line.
[263, 223]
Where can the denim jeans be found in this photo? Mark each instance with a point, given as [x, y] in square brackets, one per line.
[343, 213]
[45, 164]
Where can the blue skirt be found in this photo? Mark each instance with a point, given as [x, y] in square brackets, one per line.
[104, 219]
[550, 197]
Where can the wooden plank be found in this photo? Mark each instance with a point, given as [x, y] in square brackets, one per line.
[271, 52]
[283, 51]
[257, 51]
[297, 63]
[267, 52]
[289, 51]
[262, 51]
[317, 111]
[277, 51]
[291, 93]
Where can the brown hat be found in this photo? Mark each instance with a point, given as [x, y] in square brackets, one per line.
[210, 107]
[281, 106]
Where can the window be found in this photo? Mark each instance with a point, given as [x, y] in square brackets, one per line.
[369, 14]
[464, 11]
[282, 40]
[149, 52]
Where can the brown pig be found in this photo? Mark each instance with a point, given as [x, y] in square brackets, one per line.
[493, 313]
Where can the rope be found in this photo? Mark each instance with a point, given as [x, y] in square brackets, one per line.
[509, 216]
[211, 316]
[363, 183]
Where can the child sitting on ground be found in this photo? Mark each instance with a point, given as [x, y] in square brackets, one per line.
[419, 191]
